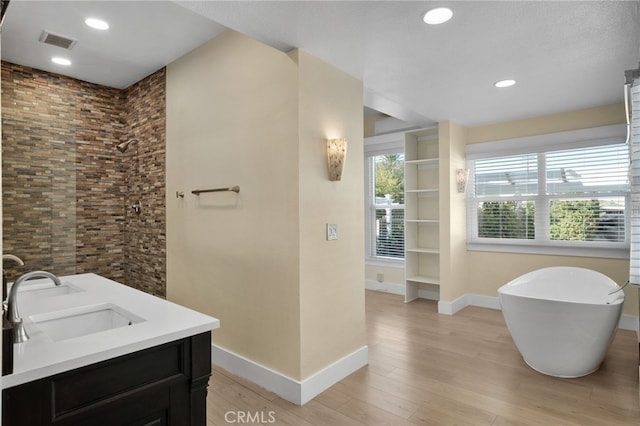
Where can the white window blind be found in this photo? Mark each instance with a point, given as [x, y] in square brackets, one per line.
[572, 194]
[386, 205]
[587, 188]
[592, 170]
[504, 176]
[514, 177]
[634, 260]
[384, 164]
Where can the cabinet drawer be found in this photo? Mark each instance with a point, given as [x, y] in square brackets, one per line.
[93, 384]
[141, 407]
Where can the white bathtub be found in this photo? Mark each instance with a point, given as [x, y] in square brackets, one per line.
[562, 319]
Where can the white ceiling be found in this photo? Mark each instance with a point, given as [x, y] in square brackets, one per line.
[143, 37]
[565, 55]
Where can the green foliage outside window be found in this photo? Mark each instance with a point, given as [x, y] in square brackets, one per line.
[570, 220]
[389, 185]
[587, 220]
[506, 219]
[574, 220]
[390, 177]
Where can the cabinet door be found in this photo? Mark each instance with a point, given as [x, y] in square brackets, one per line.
[163, 385]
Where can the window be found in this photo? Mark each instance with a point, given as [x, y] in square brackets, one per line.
[385, 205]
[570, 194]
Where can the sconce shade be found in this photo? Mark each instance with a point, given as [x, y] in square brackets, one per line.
[336, 154]
[462, 175]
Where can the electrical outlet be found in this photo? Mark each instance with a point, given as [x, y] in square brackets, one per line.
[332, 231]
[380, 277]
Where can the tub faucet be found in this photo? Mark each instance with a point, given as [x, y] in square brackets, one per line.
[19, 333]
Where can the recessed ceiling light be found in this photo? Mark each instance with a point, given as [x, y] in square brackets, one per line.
[60, 61]
[438, 15]
[504, 83]
[98, 24]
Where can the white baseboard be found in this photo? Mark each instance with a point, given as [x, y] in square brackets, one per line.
[450, 308]
[322, 380]
[484, 301]
[295, 391]
[394, 288]
[399, 289]
[479, 300]
[428, 294]
[627, 322]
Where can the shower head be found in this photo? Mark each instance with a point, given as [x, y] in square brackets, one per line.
[122, 147]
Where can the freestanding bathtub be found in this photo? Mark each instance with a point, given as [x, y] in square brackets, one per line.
[562, 319]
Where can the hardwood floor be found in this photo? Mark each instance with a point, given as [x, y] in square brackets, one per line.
[432, 369]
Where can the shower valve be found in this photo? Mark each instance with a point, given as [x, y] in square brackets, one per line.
[137, 207]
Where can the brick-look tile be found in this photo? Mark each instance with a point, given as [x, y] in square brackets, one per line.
[67, 190]
[145, 236]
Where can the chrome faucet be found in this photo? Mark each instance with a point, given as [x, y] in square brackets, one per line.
[19, 333]
[12, 257]
[15, 259]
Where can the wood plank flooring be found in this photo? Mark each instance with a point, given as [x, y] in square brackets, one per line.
[431, 369]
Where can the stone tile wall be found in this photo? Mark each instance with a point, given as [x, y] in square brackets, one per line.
[99, 180]
[67, 190]
[144, 175]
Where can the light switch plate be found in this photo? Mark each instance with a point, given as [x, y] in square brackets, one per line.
[332, 231]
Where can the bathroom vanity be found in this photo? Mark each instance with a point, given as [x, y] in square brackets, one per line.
[101, 353]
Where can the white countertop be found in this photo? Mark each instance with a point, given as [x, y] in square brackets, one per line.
[40, 356]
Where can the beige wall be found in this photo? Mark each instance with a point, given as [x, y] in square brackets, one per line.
[452, 212]
[487, 271]
[331, 272]
[242, 113]
[573, 120]
[390, 274]
[232, 112]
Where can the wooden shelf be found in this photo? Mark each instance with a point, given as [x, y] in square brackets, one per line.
[424, 279]
[422, 191]
[423, 250]
[423, 163]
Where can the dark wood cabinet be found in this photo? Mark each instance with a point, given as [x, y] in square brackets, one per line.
[160, 386]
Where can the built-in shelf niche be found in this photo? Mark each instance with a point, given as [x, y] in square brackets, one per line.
[422, 221]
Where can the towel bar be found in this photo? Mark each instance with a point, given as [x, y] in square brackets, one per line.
[235, 189]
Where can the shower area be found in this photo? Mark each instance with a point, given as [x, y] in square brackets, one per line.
[83, 177]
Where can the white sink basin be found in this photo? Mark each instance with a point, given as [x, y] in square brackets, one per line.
[83, 320]
[28, 292]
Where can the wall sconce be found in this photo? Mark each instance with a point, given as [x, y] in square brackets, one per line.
[336, 153]
[462, 175]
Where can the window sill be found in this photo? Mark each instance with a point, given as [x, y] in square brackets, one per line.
[609, 253]
[387, 263]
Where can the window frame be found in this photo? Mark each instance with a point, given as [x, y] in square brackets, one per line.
[540, 145]
[392, 143]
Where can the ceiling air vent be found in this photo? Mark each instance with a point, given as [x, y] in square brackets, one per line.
[57, 40]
